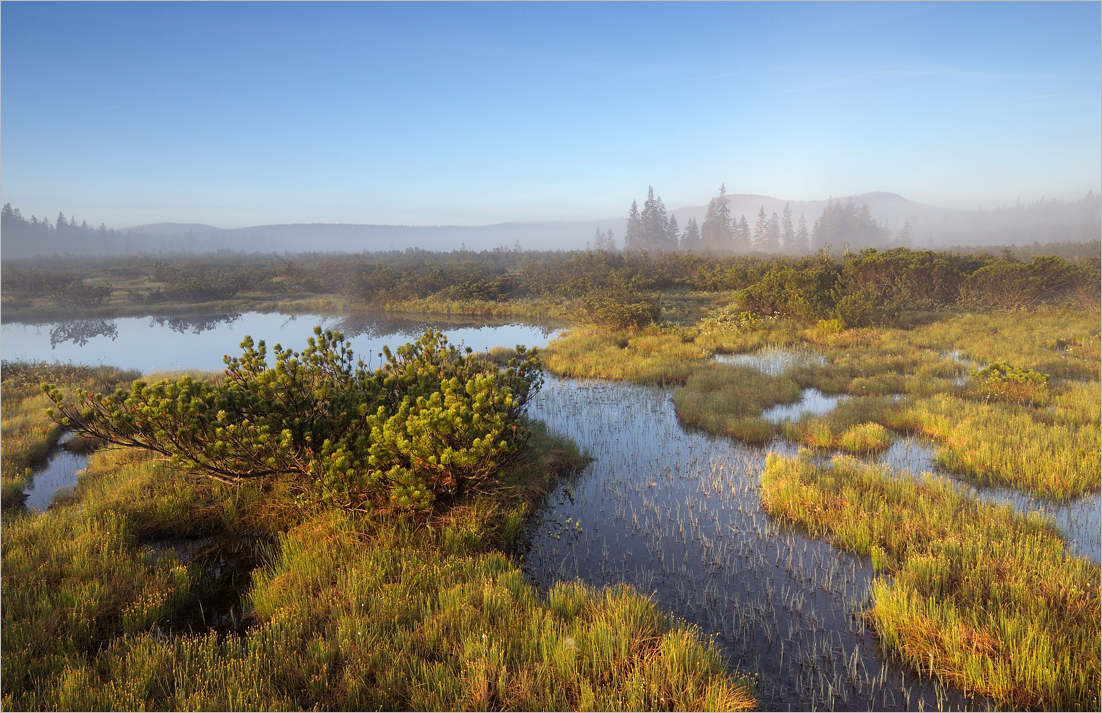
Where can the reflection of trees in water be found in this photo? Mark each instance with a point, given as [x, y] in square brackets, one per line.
[194, 324]
[80, 331]
[385, 325]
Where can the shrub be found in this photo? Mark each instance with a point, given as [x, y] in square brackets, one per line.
[862, 309]
[78, 294]
[731, 319]
[616, 310]
[434, 420]
[1003, 381]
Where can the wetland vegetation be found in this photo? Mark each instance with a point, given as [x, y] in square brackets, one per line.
[437, 530]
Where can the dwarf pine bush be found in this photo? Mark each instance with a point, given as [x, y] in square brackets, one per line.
[433, 420]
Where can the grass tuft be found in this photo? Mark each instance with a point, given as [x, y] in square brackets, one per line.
[979, 597]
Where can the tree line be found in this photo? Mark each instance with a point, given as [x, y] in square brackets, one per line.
[841, 224]
[609, 287]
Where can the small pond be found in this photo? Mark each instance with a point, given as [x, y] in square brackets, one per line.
[812, 403]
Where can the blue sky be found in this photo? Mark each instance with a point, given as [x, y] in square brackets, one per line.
[253, 113]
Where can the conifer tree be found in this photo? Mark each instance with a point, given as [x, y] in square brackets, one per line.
[673, 234]
[774, 242]
[788, 232]
[633, 237]
[690, 239]
[803, 239]
[718, 231]
[905, 239]
[742, 234]
[761, 231]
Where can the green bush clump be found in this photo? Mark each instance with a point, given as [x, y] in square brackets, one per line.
[618, 310]
[78, 294]
[433, 421]
[1003, 381]
[731, 319]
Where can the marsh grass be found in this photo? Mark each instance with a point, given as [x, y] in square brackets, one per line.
[979, 596]
[1061, 341]
[643, 357]
[28, 435]
[1048, 453]
[729, 399]
[854, 424]
[661, 354]
[349, 612]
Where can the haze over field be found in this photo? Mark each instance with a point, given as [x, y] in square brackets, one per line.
[930, 227]
[294, 127]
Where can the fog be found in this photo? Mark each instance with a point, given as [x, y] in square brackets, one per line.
[880, 220]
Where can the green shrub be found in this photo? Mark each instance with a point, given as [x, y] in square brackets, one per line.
[435, 420]
[1006, 382]
[861, 309]
[615, 310]
[78, 294]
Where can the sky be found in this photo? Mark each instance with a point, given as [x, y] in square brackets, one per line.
[237, 114]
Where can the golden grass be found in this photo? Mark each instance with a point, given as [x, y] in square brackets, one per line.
[1046, 453]
[352, 612]
[980, 597]
[729, 399]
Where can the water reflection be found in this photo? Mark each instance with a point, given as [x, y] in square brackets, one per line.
[677, 515]
[194, 325]
[812, 403]
[774, 361]
[151, 344]
[79, 332]
[1079, 520]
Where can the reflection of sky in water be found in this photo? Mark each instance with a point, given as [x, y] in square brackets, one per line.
[60, 472]
[774, 360]
[812, 403]
[1080, 520]
[164, 343]
[677, 514]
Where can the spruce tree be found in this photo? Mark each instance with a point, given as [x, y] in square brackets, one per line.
[633, 237]
[718, 231]
[788, 232]
[743, 235]
[803, 239]
[761, 231]
[690, 239]
[905, 239]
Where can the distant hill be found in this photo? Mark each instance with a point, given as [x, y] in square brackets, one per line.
[171, 228]
[328, 237]
[1042, 222]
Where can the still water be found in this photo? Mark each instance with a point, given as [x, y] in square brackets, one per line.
[677, 514]
[150, 344]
